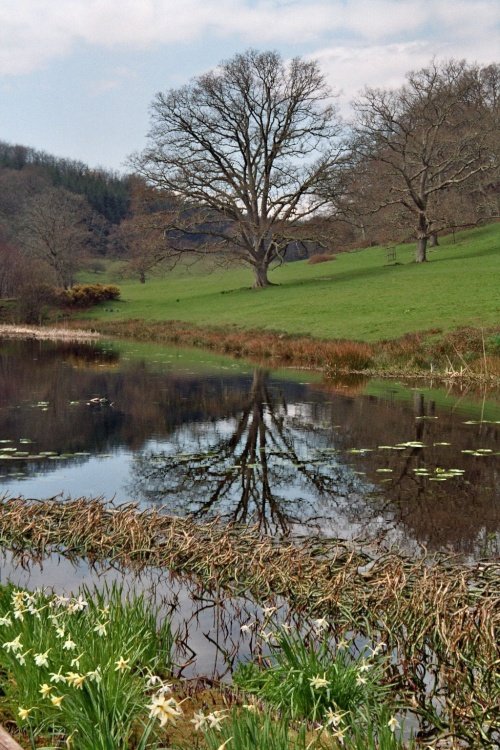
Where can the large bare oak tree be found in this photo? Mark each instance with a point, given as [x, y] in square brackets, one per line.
[246, 150]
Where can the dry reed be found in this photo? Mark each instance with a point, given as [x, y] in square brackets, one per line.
[47, 332]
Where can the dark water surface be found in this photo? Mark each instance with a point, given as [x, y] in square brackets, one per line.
[209, 437]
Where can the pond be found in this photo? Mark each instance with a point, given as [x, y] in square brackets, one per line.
[214, 437]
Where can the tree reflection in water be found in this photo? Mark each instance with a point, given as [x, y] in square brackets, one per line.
[264, 467]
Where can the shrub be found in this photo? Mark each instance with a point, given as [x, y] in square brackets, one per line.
[320, 258]
[86, 295]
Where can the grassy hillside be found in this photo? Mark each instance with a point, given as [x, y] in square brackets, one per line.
[357, 296]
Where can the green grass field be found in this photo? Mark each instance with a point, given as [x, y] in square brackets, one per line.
[357, 296]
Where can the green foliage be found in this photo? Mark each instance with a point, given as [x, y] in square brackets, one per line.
[86, 295]
[307, 680]
[249, 730]
[81, 666]
[493, 344]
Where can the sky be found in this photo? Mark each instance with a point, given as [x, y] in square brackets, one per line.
[77, 77]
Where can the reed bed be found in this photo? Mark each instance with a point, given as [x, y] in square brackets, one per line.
[439, 617]
[47, 332]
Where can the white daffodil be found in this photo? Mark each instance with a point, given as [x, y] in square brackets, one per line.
[215, 720]
[68, 644]
[320, 624]
[164, 709]
[42, 660]
[199, 720]
[100, 628]
[319, 682]
[333, 718]
[393, 724]
[13, 646]
[122, 664]
[57, 677]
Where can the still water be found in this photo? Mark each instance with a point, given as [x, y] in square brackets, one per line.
[211, 437]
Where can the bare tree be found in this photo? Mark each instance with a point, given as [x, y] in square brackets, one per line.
[140, 237]
[246, 149]
[54, 231]
[431, 135]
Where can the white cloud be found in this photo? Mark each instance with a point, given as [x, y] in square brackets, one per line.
[33, 32]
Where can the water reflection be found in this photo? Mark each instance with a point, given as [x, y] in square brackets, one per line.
[263, 466]
[222, 439]
[207, 623]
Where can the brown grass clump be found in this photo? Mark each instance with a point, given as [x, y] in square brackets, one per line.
[441, 618]
[336, 355]
[320, 258]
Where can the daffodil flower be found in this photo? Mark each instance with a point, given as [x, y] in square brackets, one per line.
[41, 660]
[320, 624]
[319, 682]
[23, 713]
[14, 645]
[75, 680]
[45, 690]
[69, 645]
[57, 677]
[100, 628]
[164, 709]
[215, 720]
[333, 719]
[199, 720]
[122, 664]
[393, 724]
[56, 700]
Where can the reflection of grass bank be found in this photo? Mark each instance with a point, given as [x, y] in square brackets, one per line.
[438, 619]
[467, 403]
[464, 355]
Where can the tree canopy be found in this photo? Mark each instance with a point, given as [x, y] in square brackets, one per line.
[247, 150]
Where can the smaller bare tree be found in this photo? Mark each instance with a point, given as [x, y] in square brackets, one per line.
[54, 230]
[429, 136]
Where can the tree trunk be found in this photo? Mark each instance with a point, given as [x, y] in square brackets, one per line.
[422, 235]
[421, 254]
[261, 279]
[142, 277]
[433, 240]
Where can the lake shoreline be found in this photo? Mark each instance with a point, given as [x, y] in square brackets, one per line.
[457, 356]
